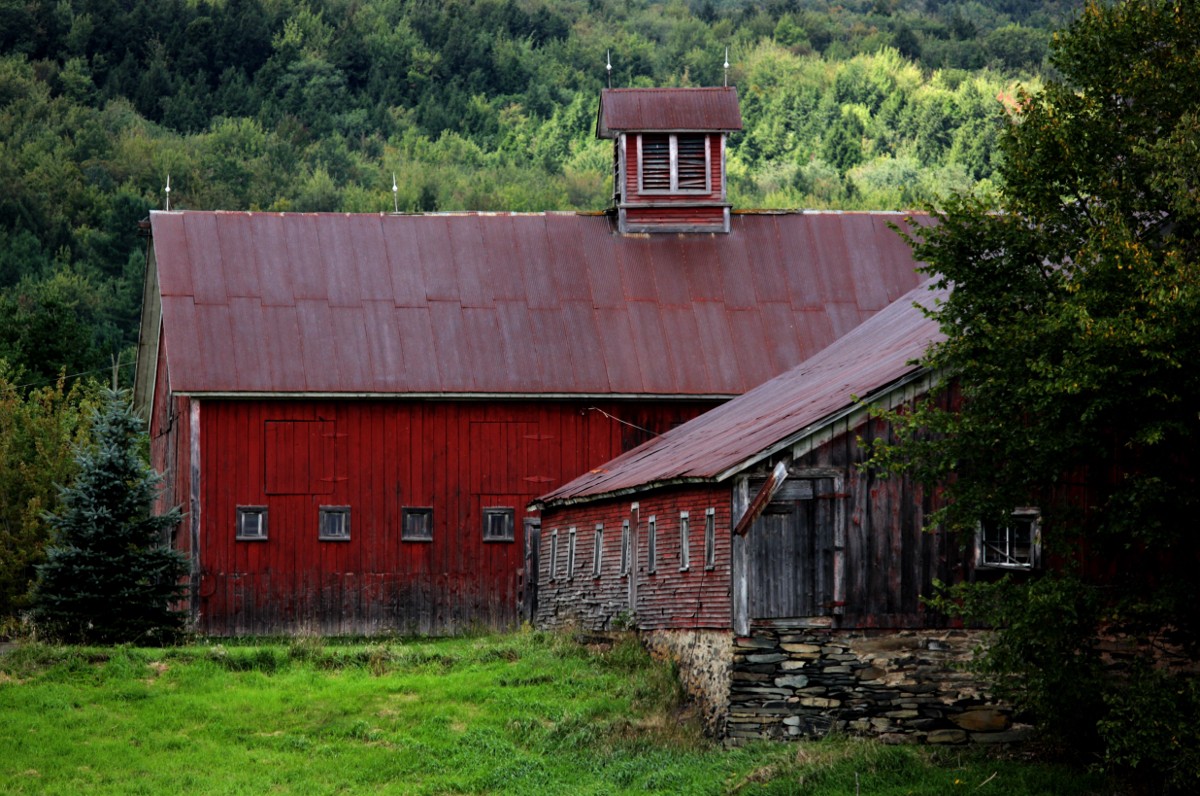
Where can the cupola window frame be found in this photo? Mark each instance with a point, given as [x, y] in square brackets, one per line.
[670, 164]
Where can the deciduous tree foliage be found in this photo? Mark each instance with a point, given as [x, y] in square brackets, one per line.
[1073, 333]
[110, 574]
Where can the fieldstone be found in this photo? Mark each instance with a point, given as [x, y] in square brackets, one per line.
[1015, 735]
[946, 737]
[771, 657]
[792, 681]
[871, 673]
[819, 702]
[983, 720]
[801, 649]
[789, 666]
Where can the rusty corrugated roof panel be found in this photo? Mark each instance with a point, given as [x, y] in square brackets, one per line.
[876, 355]
[511, 304]
[655, 109]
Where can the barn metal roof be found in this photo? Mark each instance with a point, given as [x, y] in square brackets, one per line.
[651, 109]
[503, 304]
[872, 359]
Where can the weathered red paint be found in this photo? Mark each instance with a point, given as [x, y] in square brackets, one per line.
[378, 456]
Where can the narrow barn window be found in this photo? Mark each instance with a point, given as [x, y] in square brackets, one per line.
[1015, 544]
[252, 523]
[417, 524]
[554, 554]
[570, 554]
[652, 544]
[624, 547]
[685, 553]
[334, 523]
[598, 550]
[674, 163]
[498, 524]
[710, 539]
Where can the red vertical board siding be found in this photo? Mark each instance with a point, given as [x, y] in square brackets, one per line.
[377, 457]
[668, 598]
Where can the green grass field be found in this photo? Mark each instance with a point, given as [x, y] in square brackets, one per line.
[524, 713]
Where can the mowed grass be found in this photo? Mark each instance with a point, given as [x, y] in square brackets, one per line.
[527, 713]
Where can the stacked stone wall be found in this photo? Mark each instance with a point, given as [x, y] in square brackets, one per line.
[905, 686]
[704, 659]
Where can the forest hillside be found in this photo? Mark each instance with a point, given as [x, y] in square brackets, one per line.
[314, 105]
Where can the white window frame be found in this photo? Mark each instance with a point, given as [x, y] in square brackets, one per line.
[259, 533]
[652, 544]
[999, 549]
[673, 143]
[333, 523]
[571, 553]
[554, 555]
[624, 548]
[710, 538]
[685, 542]
[598, 550]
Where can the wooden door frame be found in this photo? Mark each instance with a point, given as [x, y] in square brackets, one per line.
[740, 569]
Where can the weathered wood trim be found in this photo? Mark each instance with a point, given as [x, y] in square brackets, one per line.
[149, 339]
[194, 563]
[740, 563]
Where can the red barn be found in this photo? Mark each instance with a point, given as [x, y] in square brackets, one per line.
[354, 410]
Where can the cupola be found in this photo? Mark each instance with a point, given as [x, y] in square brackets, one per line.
[669, 156]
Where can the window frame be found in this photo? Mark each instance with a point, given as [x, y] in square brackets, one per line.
[652, 544]
[553, 555]
[1022, 515]
[571, 553]
[416, 511]
[248, 511]
[685, 542]
[327, 513]
[509, 514]
[710, 538]
[673, 165]
[598, 550]
[624, 548]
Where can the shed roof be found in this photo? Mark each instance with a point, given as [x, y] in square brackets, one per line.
[658, 109]
[509, 304]
[870, 360]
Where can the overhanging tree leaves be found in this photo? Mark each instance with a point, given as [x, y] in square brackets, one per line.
[1073, 333]
[110, 575]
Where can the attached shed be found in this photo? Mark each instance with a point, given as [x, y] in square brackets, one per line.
[787, 580]
[355, 410]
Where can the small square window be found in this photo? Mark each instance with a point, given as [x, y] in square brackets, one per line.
[1015, 544]
[252, 523]
[417, 524]
[598, 551]
[498, 524]
[334, 523]
[710, 539]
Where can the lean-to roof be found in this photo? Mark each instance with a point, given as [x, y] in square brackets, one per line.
[871, 359]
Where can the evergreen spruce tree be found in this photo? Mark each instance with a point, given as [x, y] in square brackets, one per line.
[110, 576]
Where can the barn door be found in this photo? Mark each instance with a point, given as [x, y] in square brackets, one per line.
[529, 577]
[791, 555]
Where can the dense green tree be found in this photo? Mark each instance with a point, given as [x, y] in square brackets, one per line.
[110, 575]
[1072, 333]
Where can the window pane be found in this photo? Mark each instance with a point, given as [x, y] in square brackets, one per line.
[334, 522]
[498, 524]
[692, 163]
[656, 162]
[417, 524]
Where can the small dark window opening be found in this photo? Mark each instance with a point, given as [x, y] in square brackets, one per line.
[1015, 544]
[685, 542]
[334, 523]
[571, 554]
[625, 547]
[598, 551]
[498, 524]
[252, 523]
[417, 524]
[554, 555]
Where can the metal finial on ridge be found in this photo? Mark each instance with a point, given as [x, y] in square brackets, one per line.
[167, 190]
[726, 66]
[608, 67]
[395, 193]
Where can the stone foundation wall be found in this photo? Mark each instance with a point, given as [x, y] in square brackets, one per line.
[905, 686]
[704, 659]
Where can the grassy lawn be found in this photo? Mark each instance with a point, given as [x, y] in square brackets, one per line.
[524, 713]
